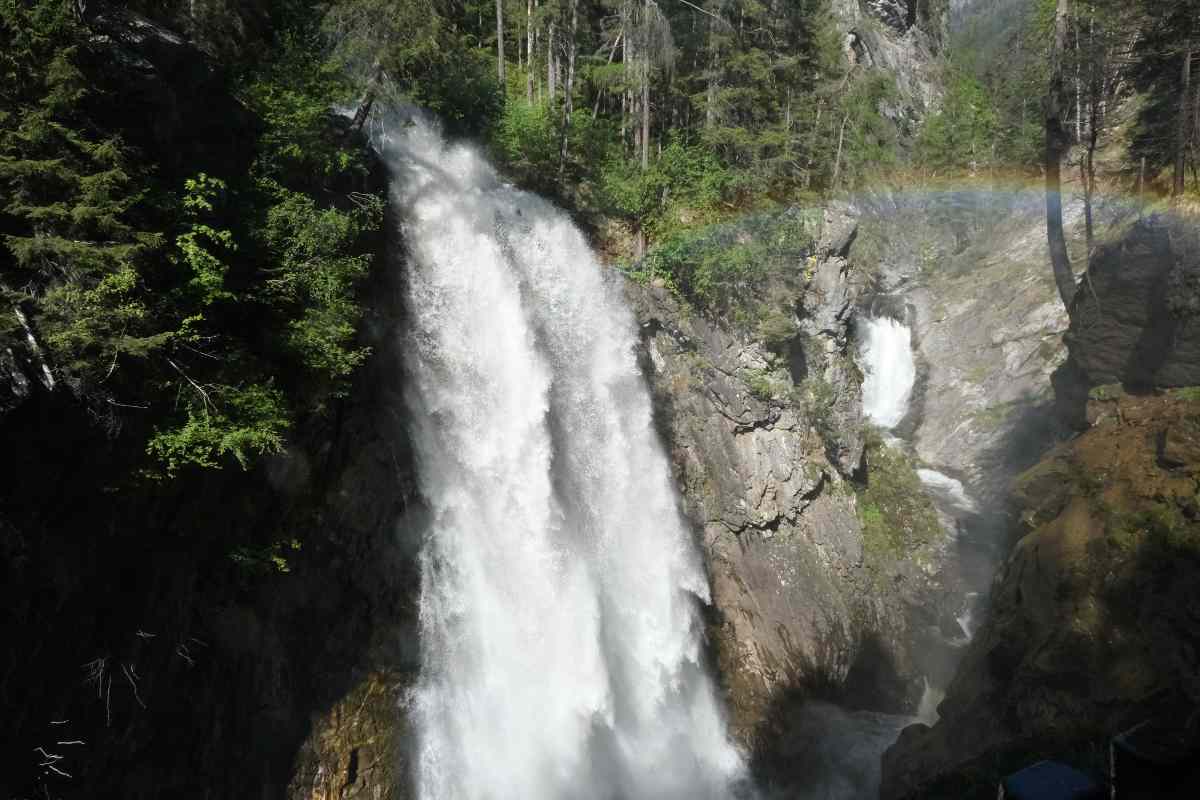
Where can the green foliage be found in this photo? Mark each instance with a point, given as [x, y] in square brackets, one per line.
[1188, 394]
[243, 422]
[526, 138]
[1003, 50]
[724, 265]
[962, 135]
[765, 384]
[184, 301]
[897, 515]
[430, 52]
[266, 559]
[1167, 30]
[685, 181]
[206, 281]
[317, 274]
[776, 329]
[815, 396]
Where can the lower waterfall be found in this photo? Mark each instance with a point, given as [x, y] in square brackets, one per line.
[560, 631]
[886, 347]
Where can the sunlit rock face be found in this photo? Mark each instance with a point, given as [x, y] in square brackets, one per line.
[766, 478]
[897, 14]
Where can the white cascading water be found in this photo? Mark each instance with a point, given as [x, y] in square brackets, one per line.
[949, 490]
[886, 355]
[560, 630]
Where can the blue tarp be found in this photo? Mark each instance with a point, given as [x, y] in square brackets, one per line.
[1050, 780]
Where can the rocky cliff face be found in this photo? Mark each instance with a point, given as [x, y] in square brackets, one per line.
[1090, 630]
[1134, 317]
[1095, 617]
[767, 444]
[968, 270]
[901, 38]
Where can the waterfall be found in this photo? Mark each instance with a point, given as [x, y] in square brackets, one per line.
[949, 490]
[886, 350]
[560, 631]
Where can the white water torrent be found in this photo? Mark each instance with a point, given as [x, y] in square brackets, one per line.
[949, 490]
[560, 631]
[886, 355]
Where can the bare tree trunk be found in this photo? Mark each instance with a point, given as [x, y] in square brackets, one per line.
[368, 99]
[837, 160]
[1056, 145]
[600, 93]
[1181, 134]
[500, 41]
[646, 118]
[710, 89]
[551, 66]
[568, 99]
[529, 52]
[1078, 85]
[537, 36]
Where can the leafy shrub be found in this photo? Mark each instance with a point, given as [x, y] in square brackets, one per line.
[316, 274]
[526, 138]
[722, 265]
[896, 513]
[244, 422]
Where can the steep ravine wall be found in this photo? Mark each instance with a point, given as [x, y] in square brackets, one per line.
[1093, 627]
[803, 608]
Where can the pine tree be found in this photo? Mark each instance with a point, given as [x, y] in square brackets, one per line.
[70, 243]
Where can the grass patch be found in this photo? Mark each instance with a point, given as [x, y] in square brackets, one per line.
[765, 384]
[1188, 394]
[994, 416]
[897, 515]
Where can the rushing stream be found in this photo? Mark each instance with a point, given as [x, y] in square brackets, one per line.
[561, 639]
[842, 750]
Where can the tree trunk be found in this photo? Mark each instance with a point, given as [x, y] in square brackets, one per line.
[568, 98]
[500, 42]
[1056, 145]
[837, 160]
[529, 52]
[710, 88]
[1078, 85]
[1181, 133]
[646, 117]
[368, 100]
[600, 92]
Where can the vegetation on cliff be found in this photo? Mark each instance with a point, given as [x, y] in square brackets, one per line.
[204, 309]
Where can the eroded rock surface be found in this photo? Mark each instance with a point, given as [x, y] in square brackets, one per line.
[803, 606]
[1134, 317]
[1094, 616]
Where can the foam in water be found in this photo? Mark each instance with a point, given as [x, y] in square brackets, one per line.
[886, 354]
[561, 639]
[949, 489]
[966, 617]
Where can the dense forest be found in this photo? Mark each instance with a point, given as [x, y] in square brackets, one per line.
[206, 305]
[204, 308]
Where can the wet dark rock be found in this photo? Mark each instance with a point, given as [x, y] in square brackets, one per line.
[1094, 614]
